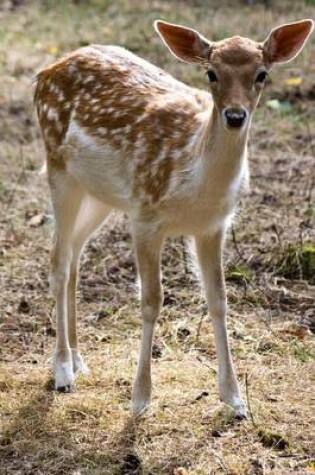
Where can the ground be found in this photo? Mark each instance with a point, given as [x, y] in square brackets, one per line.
[270, 271]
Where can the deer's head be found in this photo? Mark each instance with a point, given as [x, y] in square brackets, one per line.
[237, 67]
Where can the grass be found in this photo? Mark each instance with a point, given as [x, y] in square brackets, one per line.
[269, 262]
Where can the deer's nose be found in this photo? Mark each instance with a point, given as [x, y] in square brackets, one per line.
[235, 117]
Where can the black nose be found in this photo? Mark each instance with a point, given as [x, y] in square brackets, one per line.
[235, 117]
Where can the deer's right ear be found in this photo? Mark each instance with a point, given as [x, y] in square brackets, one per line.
[185, 43]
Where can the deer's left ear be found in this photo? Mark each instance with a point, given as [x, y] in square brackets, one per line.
[185, 43]
[286, 41]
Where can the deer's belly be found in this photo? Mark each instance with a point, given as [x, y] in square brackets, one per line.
[192, 220]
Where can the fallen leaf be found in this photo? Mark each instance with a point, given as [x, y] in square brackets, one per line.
[311, 465]
[299, 331]
[38, 220]
[295, 81]
[53, 49]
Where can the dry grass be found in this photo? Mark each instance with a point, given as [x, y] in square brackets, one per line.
[271, 311]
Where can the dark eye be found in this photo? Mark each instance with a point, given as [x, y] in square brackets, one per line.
[261, 77]
[212, 76]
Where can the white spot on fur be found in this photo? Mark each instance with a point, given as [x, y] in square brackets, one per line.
[118, 137]
[88, 79]
[102, 131]
[60, 96]
[72, 68]
[52, 114]
[54, 88]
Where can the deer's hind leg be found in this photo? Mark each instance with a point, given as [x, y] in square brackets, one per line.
[91, 216]
[77, 216]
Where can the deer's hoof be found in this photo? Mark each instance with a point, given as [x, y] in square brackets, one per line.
[64, 376]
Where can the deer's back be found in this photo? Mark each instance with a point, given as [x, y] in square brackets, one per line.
[124, 118]
[109, 91]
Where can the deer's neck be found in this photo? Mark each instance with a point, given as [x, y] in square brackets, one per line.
[223, 151]
[225, 146]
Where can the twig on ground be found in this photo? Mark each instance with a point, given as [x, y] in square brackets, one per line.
[248, 401]
[235, 243]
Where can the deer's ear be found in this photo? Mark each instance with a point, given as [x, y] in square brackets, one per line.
[286, 41]
[185, 43]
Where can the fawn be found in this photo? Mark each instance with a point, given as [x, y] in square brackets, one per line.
[122, 133]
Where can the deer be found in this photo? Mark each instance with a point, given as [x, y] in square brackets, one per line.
[122, 134]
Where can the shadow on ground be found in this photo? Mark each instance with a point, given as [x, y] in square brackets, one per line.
[35, 435]
[42, 434]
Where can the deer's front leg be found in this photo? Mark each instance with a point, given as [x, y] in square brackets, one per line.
[148, 255]
[209, 251]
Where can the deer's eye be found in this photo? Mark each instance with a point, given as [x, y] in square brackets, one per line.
[261, 77]
[212, 76]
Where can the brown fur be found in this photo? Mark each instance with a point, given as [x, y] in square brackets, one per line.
[100, 97]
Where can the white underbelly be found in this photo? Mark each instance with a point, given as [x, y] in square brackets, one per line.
[99, 168]
[196, 220]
